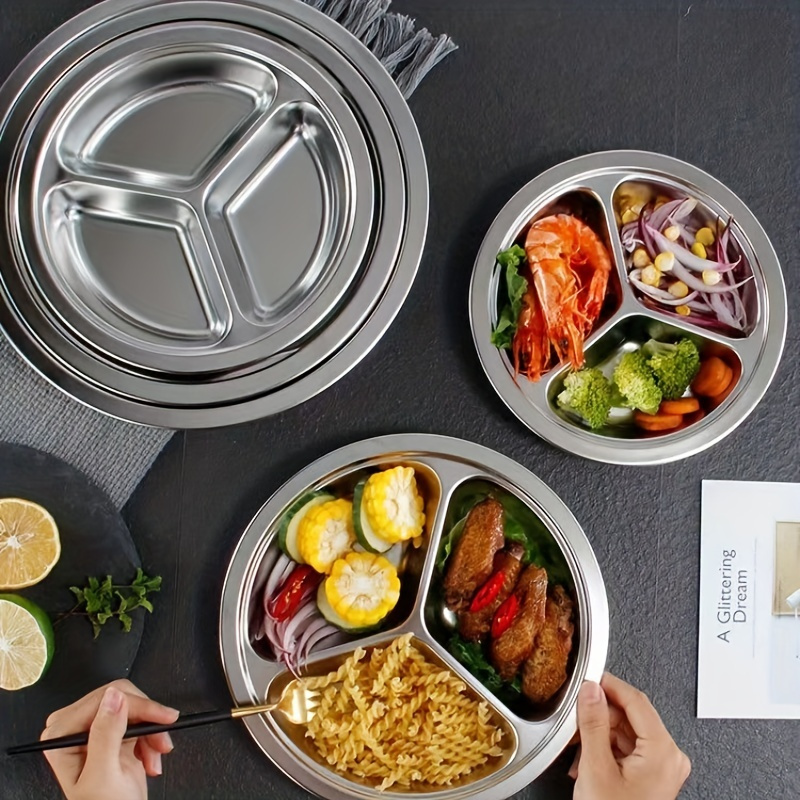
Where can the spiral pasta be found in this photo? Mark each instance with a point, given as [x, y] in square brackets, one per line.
[395, 718]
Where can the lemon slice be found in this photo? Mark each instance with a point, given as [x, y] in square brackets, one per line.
[26, 642]
[29, 543]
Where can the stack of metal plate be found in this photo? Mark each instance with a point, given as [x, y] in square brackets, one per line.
[213, 210]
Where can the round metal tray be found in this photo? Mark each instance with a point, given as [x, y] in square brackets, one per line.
[443, 465]
[233, 355]
[596, 177]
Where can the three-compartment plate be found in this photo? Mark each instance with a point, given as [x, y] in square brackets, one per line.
[594, 180]
[214, 209]
[446, 468]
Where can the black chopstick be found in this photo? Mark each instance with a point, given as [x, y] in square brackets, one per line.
[133, 732]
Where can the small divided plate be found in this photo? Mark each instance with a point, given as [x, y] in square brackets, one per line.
[447, 470]
[207, 203]
[591, 182]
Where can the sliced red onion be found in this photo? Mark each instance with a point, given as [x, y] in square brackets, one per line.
[672, 211]
[312, 636]
[659, 294]
[695, 283]
[644, 232]
[723, 311]
[687, 257]
[297, 623]
[276, 576]
[630, 241]
[697, 319]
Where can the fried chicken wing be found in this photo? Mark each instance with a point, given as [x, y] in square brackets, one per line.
[472, 560]
[515, 644]
[474, 625]
[545, 671]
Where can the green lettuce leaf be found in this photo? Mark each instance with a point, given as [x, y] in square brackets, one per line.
[472, 656]
[516, 286]
[448, 543]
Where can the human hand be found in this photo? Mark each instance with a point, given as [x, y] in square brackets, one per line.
[626, 752]
[108, 766]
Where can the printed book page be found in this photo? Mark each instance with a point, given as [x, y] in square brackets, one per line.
[749, 637]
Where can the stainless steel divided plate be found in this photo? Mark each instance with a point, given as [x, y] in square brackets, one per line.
[207, 203]
[448, 473]
[589, 186]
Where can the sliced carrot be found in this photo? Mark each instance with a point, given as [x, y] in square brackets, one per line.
[684, 405]
[657, 422]
[718, 399]
[724, 384]
[711, 377]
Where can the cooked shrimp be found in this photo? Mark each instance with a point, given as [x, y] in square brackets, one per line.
[570, 268]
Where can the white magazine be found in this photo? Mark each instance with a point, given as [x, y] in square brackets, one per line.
[749, 638]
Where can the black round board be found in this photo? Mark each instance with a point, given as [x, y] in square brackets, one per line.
[94, 541]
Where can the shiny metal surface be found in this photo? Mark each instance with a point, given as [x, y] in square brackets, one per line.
[758, 352]
[444, 465]
[228, 276]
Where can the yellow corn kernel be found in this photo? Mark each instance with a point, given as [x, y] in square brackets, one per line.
[705, 236]
[362, 588]
[326, 534]
[651, 276]
[665, 262]
[393, 505]
[660, 200]
[672, 233]
[684, 311]
[678, 289]
[641, 258]
[699, 250]
[711, 277]
[629, 215]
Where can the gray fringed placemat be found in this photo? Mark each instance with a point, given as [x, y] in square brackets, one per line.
[117, 454]
[408, 54]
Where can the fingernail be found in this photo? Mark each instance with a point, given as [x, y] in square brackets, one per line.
[591, 692]
[112, 700]
[171, 745]
[157, 766]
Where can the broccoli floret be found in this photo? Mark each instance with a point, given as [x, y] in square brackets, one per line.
[636, 383]
[674, 365]
[587, 393]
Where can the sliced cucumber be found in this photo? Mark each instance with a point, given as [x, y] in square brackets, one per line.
[287, 534]
[366, 536]
[394, 555]
[326, 609]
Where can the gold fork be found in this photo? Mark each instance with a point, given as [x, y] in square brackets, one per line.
[296, 703]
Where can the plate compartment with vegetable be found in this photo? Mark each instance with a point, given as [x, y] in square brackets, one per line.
[534, 706]
[663, 357]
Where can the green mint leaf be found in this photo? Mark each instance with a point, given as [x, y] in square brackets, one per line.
[147, 605]
[95, 626]
[126, 621]
[78, 594]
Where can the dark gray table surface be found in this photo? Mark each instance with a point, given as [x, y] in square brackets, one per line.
[535, 82]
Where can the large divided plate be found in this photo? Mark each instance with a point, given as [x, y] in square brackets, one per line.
[213, 209]
[447, 470]
[590, 186]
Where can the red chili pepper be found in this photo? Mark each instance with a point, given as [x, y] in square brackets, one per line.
[297, 587]
[487, 594]
[504, 616]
